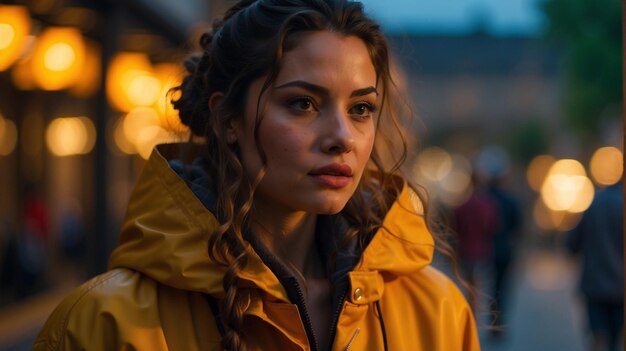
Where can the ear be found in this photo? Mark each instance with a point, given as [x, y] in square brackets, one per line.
[215, 101]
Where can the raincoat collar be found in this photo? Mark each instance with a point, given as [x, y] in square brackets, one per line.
[167, 227]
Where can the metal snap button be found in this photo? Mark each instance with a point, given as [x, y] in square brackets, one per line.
[358, 294]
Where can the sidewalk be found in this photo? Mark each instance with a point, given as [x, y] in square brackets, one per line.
[545, 313]
[20, 323]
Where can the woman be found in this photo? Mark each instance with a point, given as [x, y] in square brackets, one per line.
[288, 232]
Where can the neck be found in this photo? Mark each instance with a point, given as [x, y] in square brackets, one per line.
[290, 236]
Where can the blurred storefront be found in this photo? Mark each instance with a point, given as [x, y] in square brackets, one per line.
[83, 99]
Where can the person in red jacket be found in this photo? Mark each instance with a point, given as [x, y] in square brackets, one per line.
[474, 222]
[290, 229]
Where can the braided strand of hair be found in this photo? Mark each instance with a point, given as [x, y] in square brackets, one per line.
[234, 306]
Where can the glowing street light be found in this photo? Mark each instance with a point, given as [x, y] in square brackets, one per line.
[14, 27]
[58, 58]
[607, 165]
[567, 188]
[69, 136]
[131, 82]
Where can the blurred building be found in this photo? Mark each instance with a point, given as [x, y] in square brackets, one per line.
[481, 86]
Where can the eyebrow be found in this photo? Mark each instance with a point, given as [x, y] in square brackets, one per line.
[323, 91]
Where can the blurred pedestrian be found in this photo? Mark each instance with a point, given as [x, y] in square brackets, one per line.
[474, 223]
[506, 236]
[599, 238]
[288, 231]
[493, 165]
[33, 242]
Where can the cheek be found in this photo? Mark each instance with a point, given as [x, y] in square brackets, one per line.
[367, 146]
[371, 141]
[283, 144]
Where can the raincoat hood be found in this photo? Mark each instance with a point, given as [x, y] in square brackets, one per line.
[167, 228]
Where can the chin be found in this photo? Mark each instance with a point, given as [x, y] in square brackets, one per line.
[331, 211]
[328, 206]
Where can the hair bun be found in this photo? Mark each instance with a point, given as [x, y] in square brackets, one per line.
[192, 106]
[205, 40]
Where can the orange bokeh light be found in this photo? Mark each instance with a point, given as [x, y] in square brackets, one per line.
[537, 171]
[607, 165]
[58, 58]
[567, 188]
[131, 82]
[14, 28]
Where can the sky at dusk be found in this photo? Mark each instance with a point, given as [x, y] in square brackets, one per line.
[500, 17]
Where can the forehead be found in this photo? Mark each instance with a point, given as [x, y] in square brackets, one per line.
[328, 59]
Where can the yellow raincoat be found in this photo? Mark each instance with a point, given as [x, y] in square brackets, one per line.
[155, 295]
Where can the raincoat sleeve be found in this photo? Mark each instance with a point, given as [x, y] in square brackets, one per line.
[458, 323]
[102, 315]
[78, 324]
[468, 329]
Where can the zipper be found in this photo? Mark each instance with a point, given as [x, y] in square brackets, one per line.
[333, 331]
[356, 332]
[306, 319]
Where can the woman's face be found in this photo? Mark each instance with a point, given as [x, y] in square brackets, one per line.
[317, 128]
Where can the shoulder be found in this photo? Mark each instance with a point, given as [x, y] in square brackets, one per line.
[430, 302]
[102, 291]
[90, 315]
[431, 292]
[437, 286]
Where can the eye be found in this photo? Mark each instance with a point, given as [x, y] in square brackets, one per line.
[362, 110]
[302, 104]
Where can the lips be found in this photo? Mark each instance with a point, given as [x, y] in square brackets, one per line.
[334, 175]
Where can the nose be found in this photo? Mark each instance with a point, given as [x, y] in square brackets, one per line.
[338, 137]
